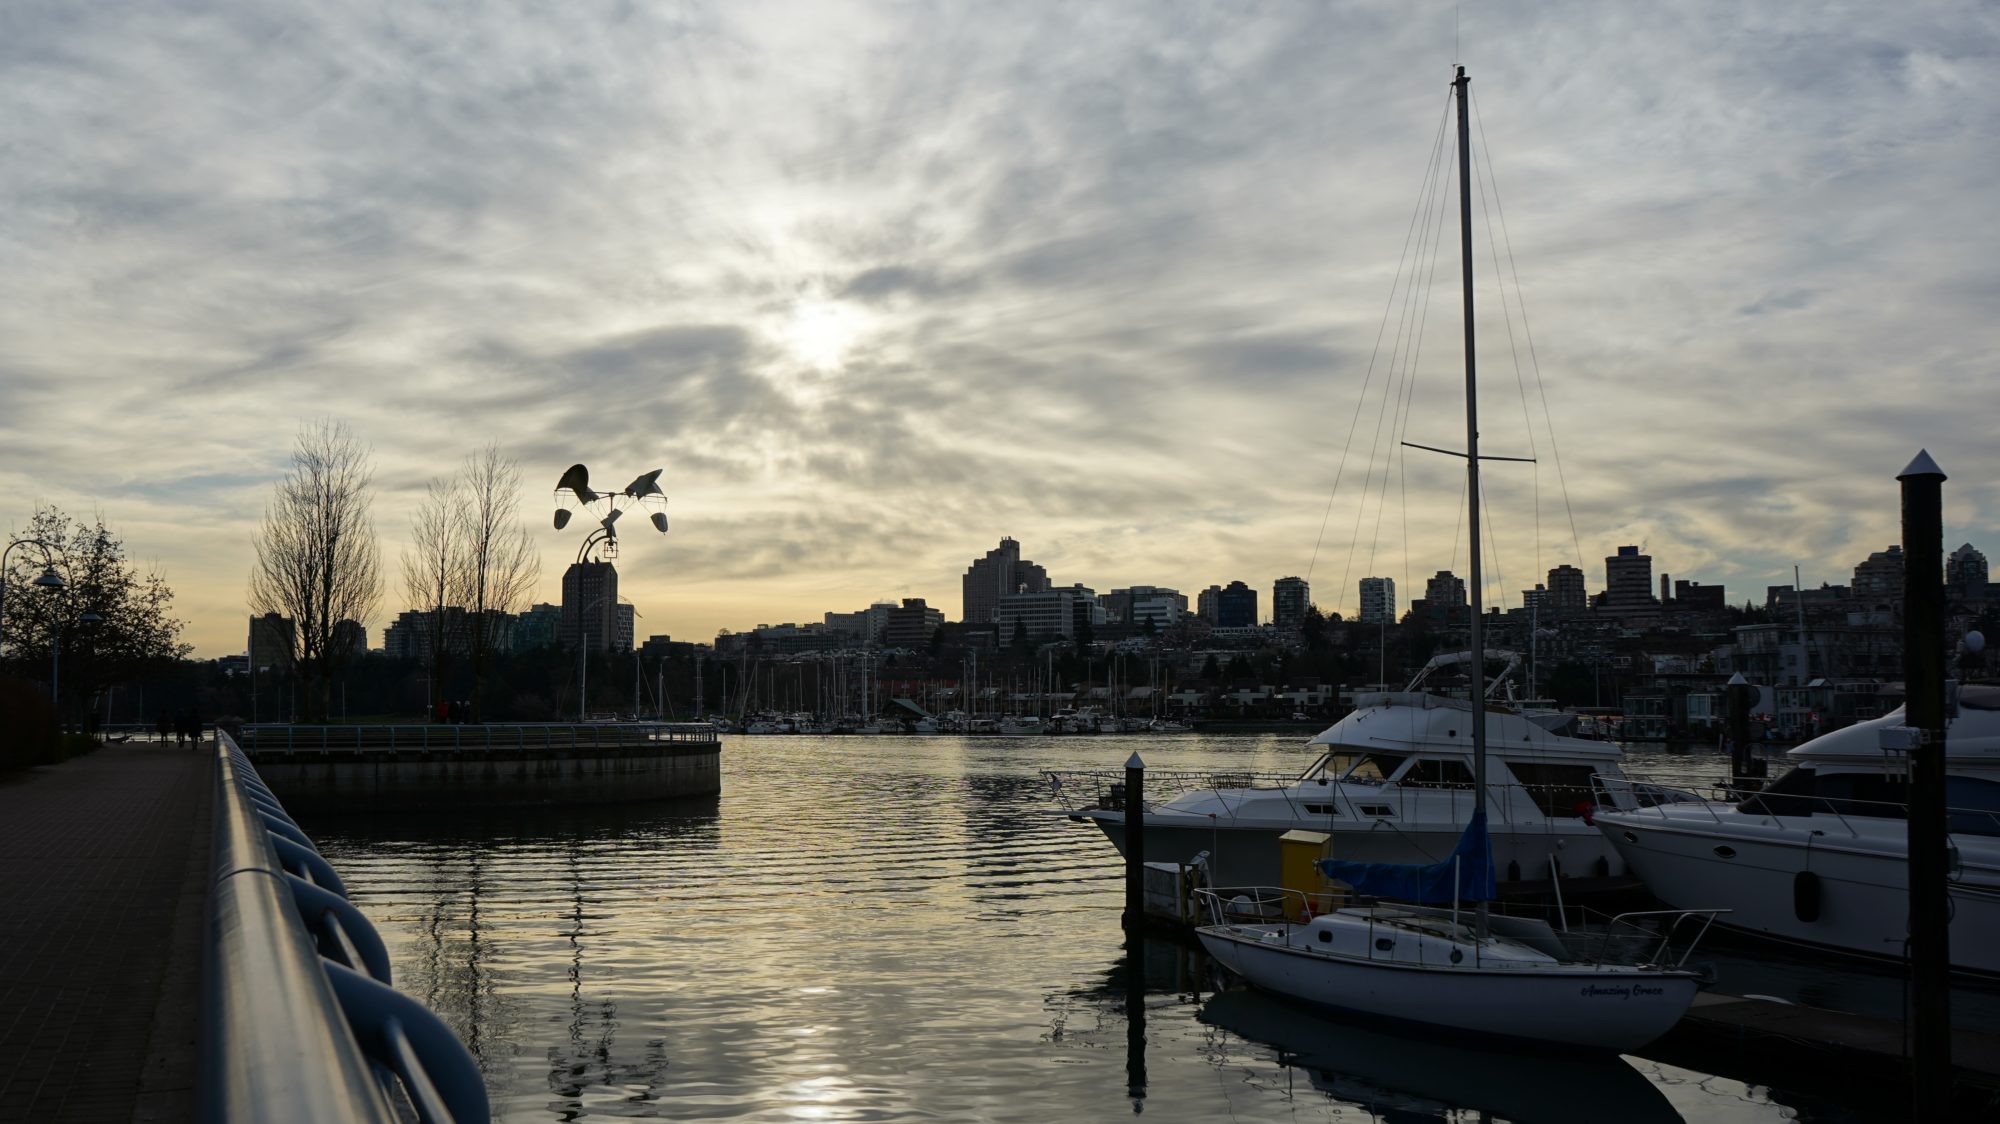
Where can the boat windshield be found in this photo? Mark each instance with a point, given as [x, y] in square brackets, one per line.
[1375, 768]
[1330, 764]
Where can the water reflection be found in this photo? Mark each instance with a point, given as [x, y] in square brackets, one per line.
[856, 930]
[1412, 1077]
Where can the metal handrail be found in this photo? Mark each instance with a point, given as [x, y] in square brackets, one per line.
[1083, 790]
[285, 1034]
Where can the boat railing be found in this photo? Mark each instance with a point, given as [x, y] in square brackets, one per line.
[1712, 796]
[1647, 938]
[1643, 927]
[1511, 805]
[275, 739]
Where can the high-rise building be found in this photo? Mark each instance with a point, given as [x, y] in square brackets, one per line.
[1001, 572]
[1537, 604]
[271, 640]
[538, 627]
[1289, 599]
[1694, 595]
[350, 637]
[1208, 604]
[1628, 583]
[1444, 598]
[590, 606]
[1568, 596]
[1879, 580]
[1140, 605]
[911, 624]
[624, 626]
[1236, 606]
[1047, 614]
[1378, 600]
[1965, 575]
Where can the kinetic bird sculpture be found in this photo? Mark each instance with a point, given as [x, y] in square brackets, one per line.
[574, 488]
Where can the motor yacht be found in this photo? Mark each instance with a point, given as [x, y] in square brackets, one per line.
[1392, 782]
[1821, 856]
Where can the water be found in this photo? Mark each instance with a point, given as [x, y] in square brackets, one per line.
[866, 929]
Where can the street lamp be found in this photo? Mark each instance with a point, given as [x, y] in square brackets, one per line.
[88, 616]
[48, 582]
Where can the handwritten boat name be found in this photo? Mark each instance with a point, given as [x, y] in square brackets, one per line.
[1622, 991]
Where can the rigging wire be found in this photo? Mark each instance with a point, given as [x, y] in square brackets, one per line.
[1437, 145]
[1513, 351]
[1408, 342]
[1555, 450]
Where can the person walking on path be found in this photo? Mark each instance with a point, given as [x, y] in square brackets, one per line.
[164, 726]
[194, 729]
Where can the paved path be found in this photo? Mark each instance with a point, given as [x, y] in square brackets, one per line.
[103, 863]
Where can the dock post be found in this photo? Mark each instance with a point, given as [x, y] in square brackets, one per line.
[1923, 674]
[1135, 843]
[1742, 756]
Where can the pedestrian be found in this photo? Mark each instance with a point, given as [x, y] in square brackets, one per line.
[194, 729]
[164, 726]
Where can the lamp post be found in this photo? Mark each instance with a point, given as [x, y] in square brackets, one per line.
[55, 660]
[48, 582]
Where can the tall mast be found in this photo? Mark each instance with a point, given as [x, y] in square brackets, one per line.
[1462, 84]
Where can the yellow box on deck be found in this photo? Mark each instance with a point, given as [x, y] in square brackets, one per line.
[1297, 851]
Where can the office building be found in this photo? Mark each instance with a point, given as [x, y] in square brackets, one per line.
[1444, 598]
[624, 626]
[1208, 605]
[1236, 606]
[1879, 579]
[1378, 601]
[590, 607]
[1965, 576]
[911, 624]
[1628, 583]
[538, 627]
[1289, 598]
[1568, 596]
[1001, 572]
[272, 638]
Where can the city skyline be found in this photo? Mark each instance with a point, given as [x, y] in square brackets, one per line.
[879, 286]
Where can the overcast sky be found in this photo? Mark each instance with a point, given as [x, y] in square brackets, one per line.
[877, 284]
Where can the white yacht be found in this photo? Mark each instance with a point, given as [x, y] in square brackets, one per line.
[1392, 783]
[1821, 856]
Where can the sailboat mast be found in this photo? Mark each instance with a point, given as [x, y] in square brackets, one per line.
[1472, 446]
[1462, 85]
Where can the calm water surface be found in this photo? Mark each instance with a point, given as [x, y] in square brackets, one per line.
[897, 929]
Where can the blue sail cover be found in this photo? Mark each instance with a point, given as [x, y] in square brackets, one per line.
[1427, 885]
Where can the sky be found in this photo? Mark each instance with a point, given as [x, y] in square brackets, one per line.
[876, 284]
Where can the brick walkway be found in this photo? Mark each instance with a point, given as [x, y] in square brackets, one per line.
[103, 861]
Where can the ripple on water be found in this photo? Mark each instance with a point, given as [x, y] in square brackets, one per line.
[864, 929]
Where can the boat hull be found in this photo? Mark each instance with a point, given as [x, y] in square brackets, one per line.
[1862, 896]
[1583, 1008]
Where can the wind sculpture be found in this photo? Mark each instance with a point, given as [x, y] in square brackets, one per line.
[574, 487]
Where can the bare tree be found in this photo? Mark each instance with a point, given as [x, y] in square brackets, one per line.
[500, 564]
[318, 562]
[434, 578]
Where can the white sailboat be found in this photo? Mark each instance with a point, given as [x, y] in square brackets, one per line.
[1425, 964]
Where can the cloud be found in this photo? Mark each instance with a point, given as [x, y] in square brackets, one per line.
[877, 284]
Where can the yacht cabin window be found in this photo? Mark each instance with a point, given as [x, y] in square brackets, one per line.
[1558, 790]
[1375, 768]
[1974, 806]
[1332, 763]
[1430, 773]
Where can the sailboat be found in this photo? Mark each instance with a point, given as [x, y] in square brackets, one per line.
[1422, 963]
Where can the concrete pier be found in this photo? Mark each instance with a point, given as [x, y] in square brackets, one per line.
[404, 768]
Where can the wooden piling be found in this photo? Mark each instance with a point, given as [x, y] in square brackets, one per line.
[1923, 675]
